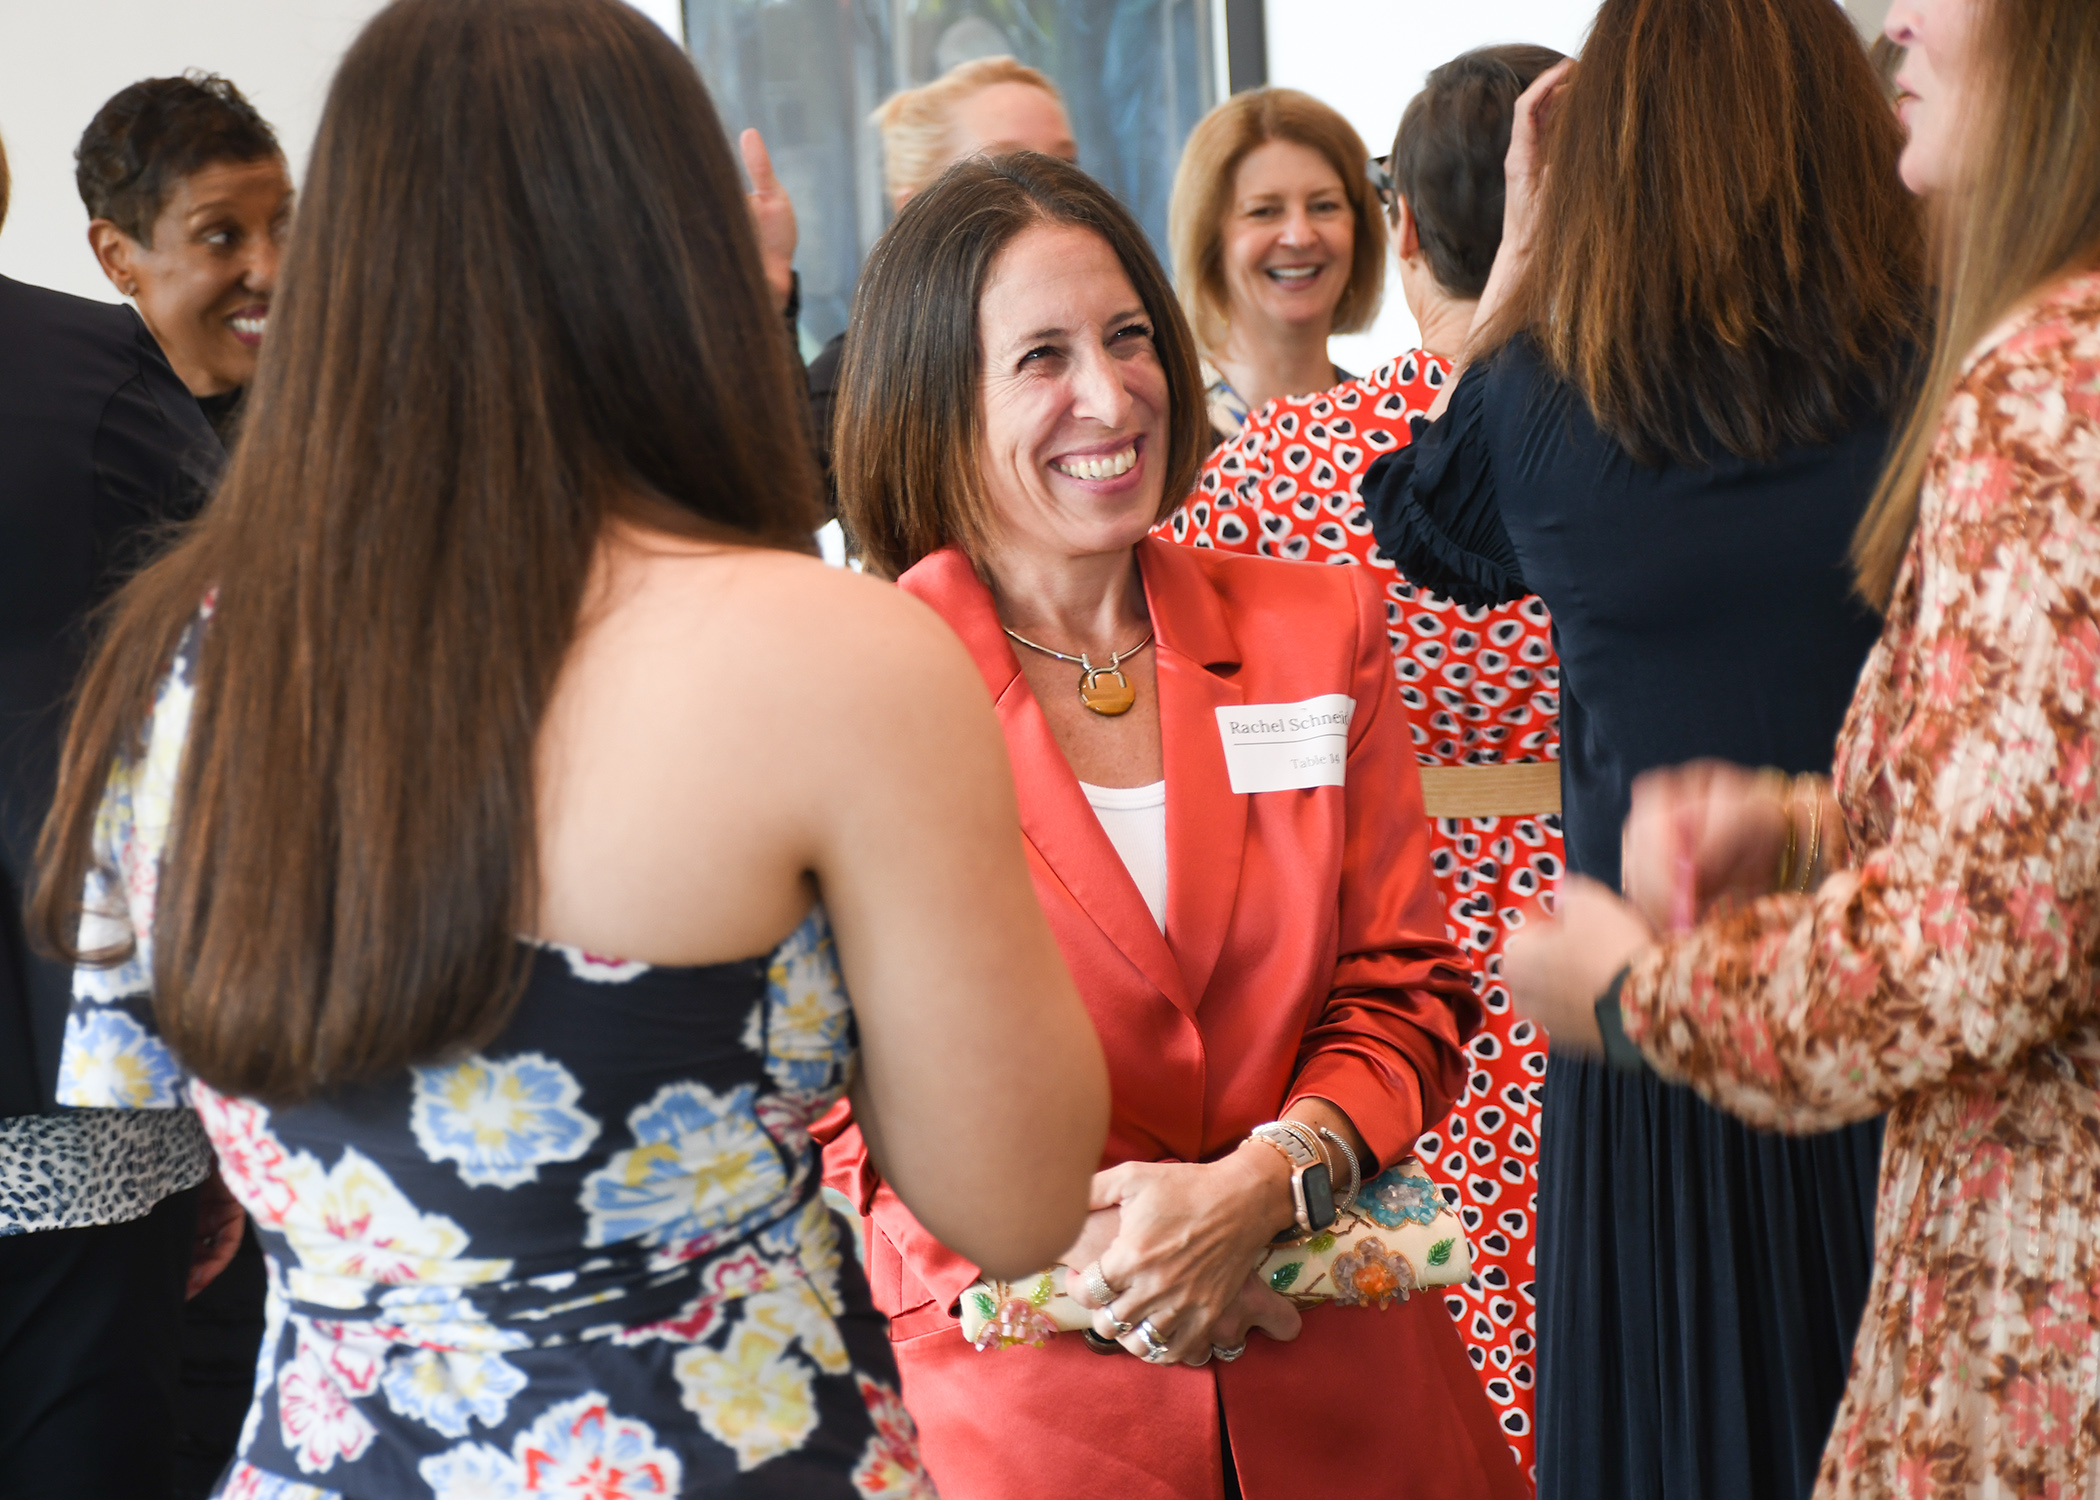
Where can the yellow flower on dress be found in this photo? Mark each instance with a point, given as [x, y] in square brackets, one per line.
[804, 1026]
[752, 1396]
[817, 1247]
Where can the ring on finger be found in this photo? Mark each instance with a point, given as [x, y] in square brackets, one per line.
[1227, 1353]
[1097, 1285]
[1156, 1351]
[1123, 1329]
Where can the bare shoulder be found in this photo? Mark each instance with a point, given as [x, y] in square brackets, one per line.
[818, 645]
[749, 704]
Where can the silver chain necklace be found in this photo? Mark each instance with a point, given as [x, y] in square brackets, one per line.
[1100, 696]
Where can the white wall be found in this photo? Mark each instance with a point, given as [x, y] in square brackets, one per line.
[60, 59]
[1368, 58]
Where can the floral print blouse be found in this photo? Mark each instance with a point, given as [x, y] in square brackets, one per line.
[1949, 978]
[590, 1259]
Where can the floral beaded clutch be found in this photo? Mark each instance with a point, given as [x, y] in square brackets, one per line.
[1398, 1237]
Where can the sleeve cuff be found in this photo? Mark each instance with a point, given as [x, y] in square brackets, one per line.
[1620, 1050]
[1386, 1110]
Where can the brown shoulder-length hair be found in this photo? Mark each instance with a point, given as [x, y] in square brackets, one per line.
[1725, 254]
[1203, 183]
[2028, 214]
[907, 435]
[523, 296]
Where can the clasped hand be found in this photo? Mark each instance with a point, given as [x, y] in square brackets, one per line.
[1699, 837]
[1178, 1244]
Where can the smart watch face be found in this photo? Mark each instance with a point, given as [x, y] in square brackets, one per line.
[1319, 1196]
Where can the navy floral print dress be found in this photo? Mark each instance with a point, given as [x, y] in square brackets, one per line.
[589, 1260]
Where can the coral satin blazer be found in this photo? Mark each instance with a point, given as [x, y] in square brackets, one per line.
[1303, 956]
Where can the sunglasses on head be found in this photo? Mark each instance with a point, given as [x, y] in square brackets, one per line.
[1381, 175]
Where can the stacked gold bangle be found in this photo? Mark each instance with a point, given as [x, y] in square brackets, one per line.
[1797, 872]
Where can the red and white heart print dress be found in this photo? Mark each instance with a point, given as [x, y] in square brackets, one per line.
[1481, 687]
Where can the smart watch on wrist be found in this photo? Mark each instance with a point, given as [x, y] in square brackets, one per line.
[1312, 1185]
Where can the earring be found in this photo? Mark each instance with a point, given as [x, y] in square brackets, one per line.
[131, 288]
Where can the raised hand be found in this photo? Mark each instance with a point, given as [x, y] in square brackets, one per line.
[1701, 834]
[772, 216]
[1523, 174]
[1556, 970]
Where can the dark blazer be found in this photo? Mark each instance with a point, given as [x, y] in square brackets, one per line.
[101, 449]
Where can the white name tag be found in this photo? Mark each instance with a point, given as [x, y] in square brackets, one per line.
[1280, 747]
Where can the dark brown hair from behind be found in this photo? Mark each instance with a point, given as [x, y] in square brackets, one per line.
[1725, 255]
[152, 134]
[908, 427]
[522, 298]
[1448, 154]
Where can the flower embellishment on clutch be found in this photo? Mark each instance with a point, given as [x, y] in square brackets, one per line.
[1019, 1317]
[1397, 1198]
[1399, 1238]
[1370, 1275]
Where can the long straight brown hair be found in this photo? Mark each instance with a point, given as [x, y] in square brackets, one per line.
[1725, 253]
[522, 297]
[2028, 214]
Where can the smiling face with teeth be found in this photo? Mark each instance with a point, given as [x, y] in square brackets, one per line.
[1288, 239]
[1073, 398]
[204, 277]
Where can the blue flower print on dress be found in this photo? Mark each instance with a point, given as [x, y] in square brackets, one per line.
[112, 1062]
[472, 1471]
[579, 1448]
[1395, 1197]
[500, 1120]
[442, 1388]
[444, 1366]
[804, 1026]
[702, 1169]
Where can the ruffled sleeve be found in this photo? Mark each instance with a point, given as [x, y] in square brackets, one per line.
[113, 1057]
[1434, 508]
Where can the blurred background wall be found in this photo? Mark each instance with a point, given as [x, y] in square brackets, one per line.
[1137, 74]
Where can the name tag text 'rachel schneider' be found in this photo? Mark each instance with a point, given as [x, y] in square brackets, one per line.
[1280, 747]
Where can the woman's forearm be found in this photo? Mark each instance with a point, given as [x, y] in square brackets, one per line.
[1324, 1115]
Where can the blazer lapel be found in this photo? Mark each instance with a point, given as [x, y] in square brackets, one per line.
[1206, 819]
[1055, 815]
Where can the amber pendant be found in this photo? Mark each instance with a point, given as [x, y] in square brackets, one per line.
[1105, 697]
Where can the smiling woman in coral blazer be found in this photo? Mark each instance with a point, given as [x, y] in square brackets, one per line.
[1223, 820]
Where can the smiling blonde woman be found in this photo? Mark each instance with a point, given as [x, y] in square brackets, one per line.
[1278, 242]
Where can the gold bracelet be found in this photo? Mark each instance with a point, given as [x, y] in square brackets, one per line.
[1807, 873]
[1782, 786]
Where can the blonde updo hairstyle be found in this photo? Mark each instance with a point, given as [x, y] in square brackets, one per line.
[1203, 193]
[918, 124]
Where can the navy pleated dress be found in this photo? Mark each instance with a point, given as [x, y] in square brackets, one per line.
[1699, 1283]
